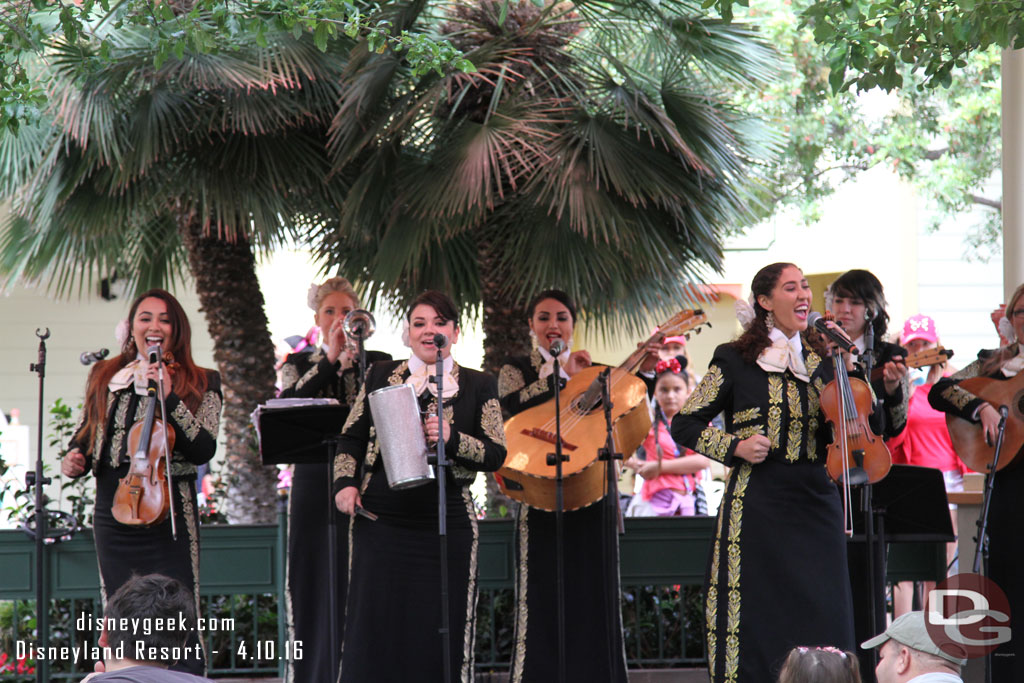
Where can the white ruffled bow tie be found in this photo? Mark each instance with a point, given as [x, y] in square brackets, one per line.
[133, 373]
[548, 368]
[784, 353]
[1014, 365]
[419, 377]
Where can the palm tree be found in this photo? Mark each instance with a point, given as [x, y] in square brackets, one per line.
[597, 148]
[204, 160]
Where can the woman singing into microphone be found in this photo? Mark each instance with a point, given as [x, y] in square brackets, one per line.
[115, 398]
[593, 644]
[777, 577]
[394, 606]
[328, 372]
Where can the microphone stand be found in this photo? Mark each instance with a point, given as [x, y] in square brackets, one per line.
[981, 541]
[556, 459]
[42, 533]
[867, 502]
[613, 517]
[442, 516]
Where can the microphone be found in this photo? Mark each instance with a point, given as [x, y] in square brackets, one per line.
[90, 357]
[440, 341]
[557, 348]
[154, 357]
[820, 324]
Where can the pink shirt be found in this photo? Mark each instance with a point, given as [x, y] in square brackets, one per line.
[925, 439]
[680, 482]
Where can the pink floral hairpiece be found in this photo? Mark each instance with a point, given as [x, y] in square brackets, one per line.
[827, 648]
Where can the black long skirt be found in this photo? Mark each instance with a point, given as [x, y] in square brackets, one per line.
[307, 596]
[594, 650]
[393, 614]
[126, 550]
[777, 576]
[1006, 566]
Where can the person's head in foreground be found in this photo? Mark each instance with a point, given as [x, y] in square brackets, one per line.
[906, 651]
[819, 665]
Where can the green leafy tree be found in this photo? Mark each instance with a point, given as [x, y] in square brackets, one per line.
[944, 140]
[598, 148]
[193, 165]
[175, 27]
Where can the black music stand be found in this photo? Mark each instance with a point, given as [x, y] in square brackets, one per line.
[303, 431]
[908, 506]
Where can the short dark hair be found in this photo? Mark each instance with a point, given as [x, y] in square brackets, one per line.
[440, 302]
[152, 596]
[556, 294]
[863, 285]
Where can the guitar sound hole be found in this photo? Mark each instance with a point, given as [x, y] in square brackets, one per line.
[1019, 404]
[581, 409]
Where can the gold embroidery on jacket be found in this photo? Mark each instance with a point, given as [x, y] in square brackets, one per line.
[491, 423]
[706, 392]
[746, 415]
[957, 396]
[732, 638]
[795, 422]
[747, 431]
[510, 379]
[774, 408]
[714, 443]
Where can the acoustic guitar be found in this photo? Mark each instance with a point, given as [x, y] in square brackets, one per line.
[969, 437]
[526, 475]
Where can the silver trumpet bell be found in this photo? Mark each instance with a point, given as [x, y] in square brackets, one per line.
[359, 324]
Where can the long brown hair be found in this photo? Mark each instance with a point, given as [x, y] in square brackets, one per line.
[189, 382]
[996, 360]
[755, 340]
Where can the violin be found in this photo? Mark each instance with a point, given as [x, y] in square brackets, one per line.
[921, 359]
[143, 496]
[856, 455]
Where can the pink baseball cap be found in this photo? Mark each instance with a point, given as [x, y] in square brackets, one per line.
[674, 340]
[919, 327]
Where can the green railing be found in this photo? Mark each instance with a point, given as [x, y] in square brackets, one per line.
[662, 563]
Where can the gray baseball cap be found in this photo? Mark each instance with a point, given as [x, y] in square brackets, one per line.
[910, 630]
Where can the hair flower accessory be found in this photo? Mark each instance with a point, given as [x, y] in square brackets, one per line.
[121, 332]
[671, 365]
[745, 311]
[1006, 329]
[314, 289]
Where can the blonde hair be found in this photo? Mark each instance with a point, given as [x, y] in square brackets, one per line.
[318, 292]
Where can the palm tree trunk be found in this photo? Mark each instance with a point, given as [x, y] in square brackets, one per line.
[505, 334]
[225, 277]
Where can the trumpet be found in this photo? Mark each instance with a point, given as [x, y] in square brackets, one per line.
[358, 325]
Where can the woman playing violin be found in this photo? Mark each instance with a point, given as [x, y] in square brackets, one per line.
[779, 554]
[1006, 521]
[394, 606]
[332, 371]
[115, 398]
[594, 646]
[857, 301]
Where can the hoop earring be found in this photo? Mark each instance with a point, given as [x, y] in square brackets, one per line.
[769, 321]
